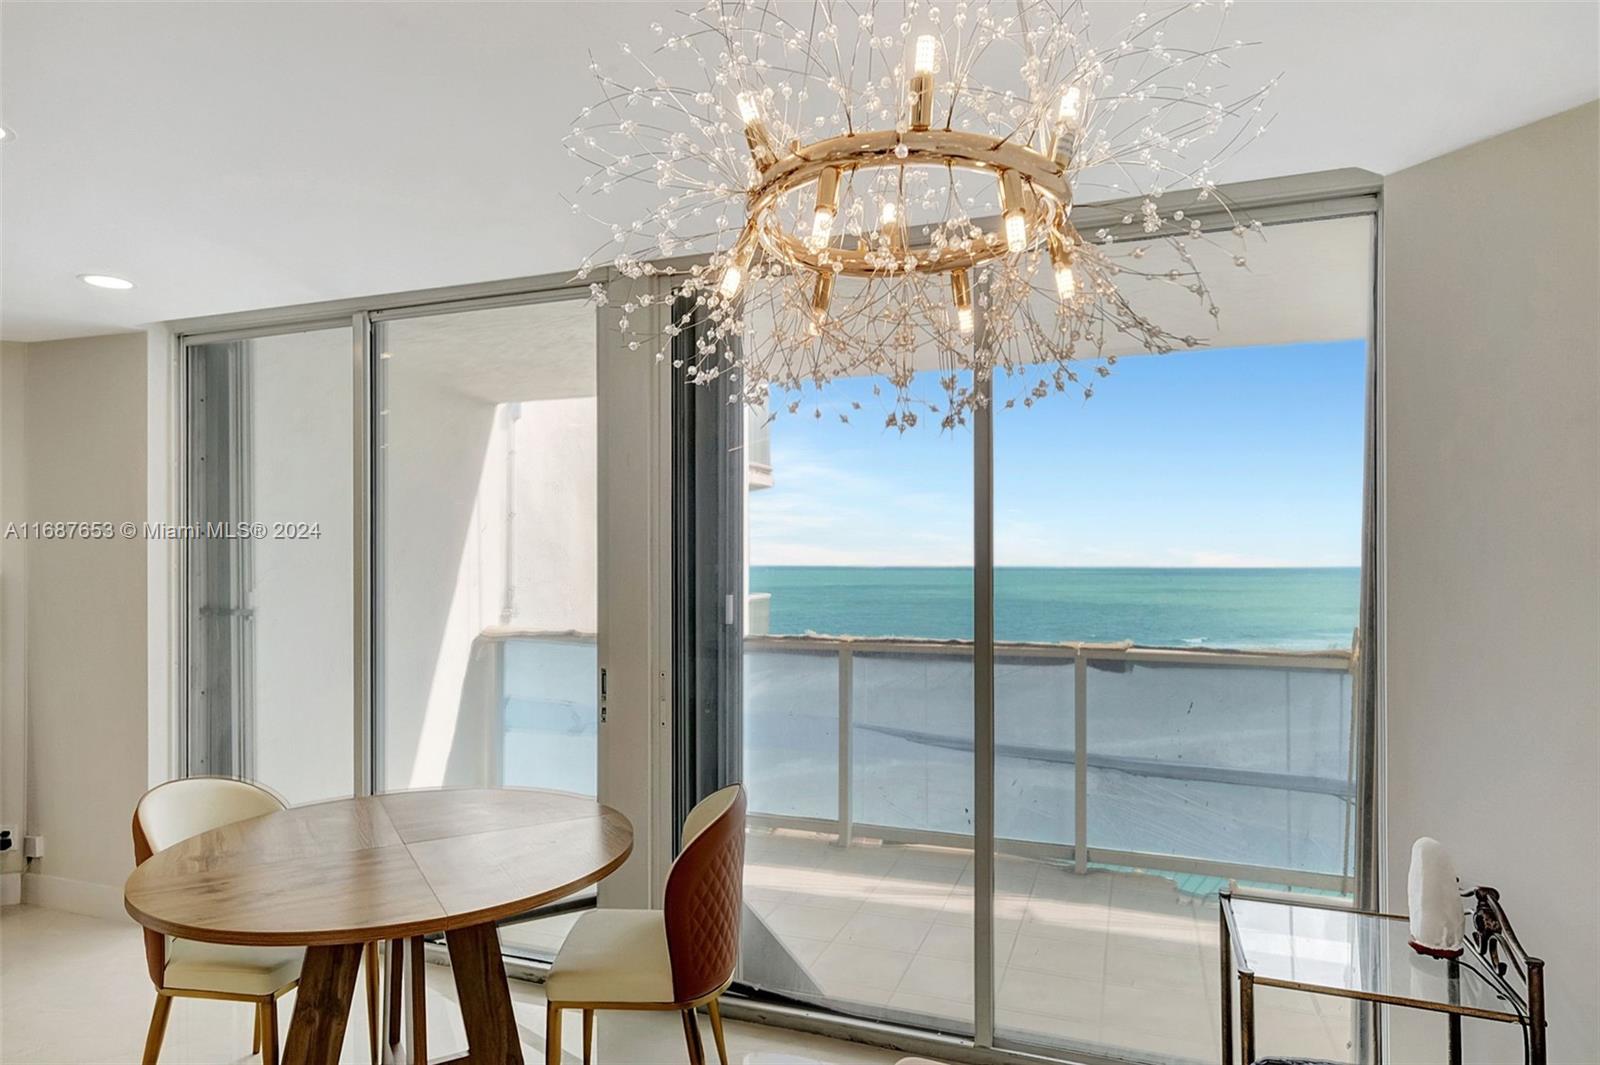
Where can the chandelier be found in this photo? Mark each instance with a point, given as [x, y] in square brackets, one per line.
[883, 189]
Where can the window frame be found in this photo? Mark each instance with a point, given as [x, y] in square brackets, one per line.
[1298, 198]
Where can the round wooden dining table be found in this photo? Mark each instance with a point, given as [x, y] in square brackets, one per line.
[334, 876]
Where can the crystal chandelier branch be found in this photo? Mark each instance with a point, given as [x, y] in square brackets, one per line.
[834, 163]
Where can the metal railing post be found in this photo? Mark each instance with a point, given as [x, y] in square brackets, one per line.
[1080, 760]
[846, 671]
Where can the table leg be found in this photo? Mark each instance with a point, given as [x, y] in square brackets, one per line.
[322, 1005]
[1225, 942]
[484, 995]
[1247, 1018]
[1538, 1050]
[1454, 1019]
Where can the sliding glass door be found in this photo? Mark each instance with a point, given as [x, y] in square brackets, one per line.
[461, 441]
[858, 727]
[486, 534]
[1177, 597]
[267, 543]
[1173, 703]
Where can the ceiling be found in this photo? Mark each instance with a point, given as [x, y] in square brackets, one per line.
[233, 156]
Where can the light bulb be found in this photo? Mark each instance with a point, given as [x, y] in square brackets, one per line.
[1061, 259]
[822, 293]
[822, 226]
[1066, 284]
[749, 112]
[1016, 232]
[921, 84]
[1014, 206]
[961, 294]
[732, 278]
[755, 131]
[827, 206]
[888, 213]
[1071, 103]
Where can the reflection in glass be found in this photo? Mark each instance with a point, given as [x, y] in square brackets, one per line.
[271, 694]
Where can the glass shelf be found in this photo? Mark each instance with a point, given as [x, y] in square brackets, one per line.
[1359, 955]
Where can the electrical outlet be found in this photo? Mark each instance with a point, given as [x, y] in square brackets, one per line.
[8, 837]
[33, 846]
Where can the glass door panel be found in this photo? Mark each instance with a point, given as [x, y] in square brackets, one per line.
[1177, 586]
[269, 629]
[858, 727]
[486, 555]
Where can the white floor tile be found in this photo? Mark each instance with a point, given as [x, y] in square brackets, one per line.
[1045, 993]
[809, 921]
[870, 929]
[844, 964]
[74, 990]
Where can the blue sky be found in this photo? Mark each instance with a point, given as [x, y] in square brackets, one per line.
[1238, 457]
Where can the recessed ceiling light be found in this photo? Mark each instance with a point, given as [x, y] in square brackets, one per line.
[104, 281]
[6, 134]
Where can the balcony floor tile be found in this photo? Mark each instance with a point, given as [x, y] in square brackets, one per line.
[1122, 961]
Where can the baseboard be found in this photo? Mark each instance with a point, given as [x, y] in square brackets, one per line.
[10, 889]
[74, 896]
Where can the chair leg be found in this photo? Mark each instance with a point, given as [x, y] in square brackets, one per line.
[158, 1028]
[394, 965]
[552, 1034]
[255, 1029]
[369, 958]
[588, 1036]
[716, 1031]
[691, 1035]
[269, 1031]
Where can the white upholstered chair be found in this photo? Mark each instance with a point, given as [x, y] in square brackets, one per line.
[679, 957]
[170, 813]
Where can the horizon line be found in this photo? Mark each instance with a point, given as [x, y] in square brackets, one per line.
[999, 565]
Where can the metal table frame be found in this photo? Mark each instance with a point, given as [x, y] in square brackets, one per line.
[1491, 937]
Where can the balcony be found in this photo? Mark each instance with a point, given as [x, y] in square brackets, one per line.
[1200, 763]
[1179, 770]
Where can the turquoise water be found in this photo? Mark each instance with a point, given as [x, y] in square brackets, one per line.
[1297, 609]
[1281, 733]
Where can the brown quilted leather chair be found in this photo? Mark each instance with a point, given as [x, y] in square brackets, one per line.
[679, 957]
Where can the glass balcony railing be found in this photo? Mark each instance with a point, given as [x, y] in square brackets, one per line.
[1229, 764]
[1226, 764]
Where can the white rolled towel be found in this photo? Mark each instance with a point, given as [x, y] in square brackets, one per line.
[1438, 919]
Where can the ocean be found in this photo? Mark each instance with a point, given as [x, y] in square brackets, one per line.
[1288, 609]
[1247, 730]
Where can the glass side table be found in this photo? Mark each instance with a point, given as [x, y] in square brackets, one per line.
[1326, 949]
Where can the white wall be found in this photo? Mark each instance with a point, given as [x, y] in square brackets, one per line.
[83, 449]
[13, 617]
[1493, 516]
[555, 549]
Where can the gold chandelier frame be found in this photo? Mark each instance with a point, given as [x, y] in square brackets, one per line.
[1035, 199]
[1045, 192]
